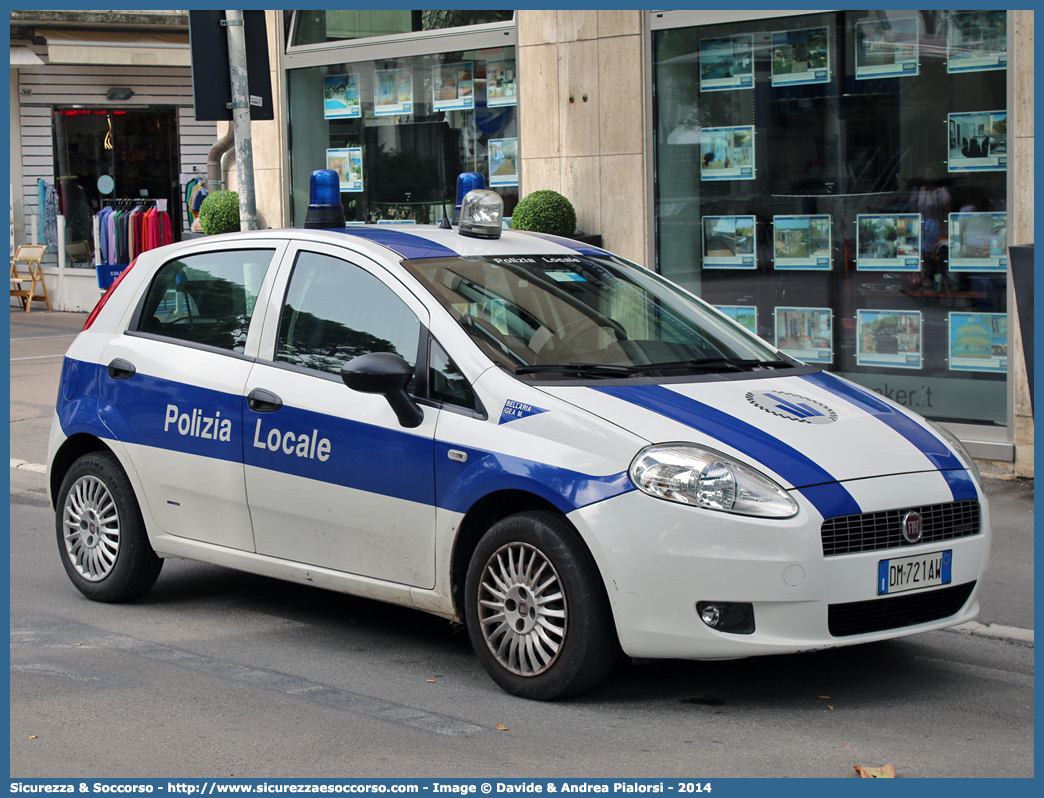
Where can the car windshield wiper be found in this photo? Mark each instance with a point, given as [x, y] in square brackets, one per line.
[712, 364]
[585, 369]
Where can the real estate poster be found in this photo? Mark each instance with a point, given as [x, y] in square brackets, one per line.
[392, 92]
[890, 242]
[347, 162]
[727, 153]
[746, 315]
[889, 338]
[978, 242]
[977, 41]
[503, 162]
[801, 242]
[453, 87]
[978, 142]
[341, 97]
[501, 84]
[887, 48]
[978, 342]
[800, 56]
[728, 242]
[805, 333]
[727, 63]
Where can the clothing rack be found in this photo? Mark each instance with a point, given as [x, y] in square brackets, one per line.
[127, 202]
[128, 226]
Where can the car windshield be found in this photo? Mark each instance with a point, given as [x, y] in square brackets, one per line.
[587, 316]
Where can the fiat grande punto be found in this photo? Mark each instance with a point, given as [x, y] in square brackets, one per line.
[527, 434]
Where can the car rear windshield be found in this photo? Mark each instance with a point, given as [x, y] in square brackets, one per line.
[587, 316]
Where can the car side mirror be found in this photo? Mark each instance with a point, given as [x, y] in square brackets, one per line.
[386, 374]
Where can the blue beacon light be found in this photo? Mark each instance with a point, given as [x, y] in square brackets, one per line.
[466, 181]
[324, 201]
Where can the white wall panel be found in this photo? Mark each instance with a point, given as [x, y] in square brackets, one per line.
[42, 87]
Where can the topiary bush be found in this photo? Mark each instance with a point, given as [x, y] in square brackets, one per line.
[545, 211]
[219, 213]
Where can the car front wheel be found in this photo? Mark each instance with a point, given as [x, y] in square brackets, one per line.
[101, 534]
[536, 609]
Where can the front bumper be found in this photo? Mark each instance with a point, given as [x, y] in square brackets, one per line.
[660, 559]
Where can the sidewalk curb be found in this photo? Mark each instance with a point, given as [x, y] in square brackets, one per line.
[995, 631]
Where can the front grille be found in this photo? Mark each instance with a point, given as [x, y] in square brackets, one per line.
[851, 534]
[895, 612]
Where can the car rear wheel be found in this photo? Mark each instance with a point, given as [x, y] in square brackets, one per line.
[101, 534]
[536, 609]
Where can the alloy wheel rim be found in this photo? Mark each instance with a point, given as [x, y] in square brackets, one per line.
[522, 609]
[91, 527]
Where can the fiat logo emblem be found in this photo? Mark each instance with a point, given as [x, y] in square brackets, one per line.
[912, 527]
[523, 609]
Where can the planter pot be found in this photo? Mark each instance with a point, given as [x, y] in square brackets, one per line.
[594, 240]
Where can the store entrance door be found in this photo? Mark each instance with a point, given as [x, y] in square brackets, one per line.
[115, 157]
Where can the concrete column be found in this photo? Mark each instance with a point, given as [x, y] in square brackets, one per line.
[1020, 215]
[582, 116]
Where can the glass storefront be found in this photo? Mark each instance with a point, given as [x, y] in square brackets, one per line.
[399, 129]
[837, 183]
[105, 157]
[315, 27]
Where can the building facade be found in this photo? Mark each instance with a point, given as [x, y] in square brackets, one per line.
[101, 106]
[844, 183]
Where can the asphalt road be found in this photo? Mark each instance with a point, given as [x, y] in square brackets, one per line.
[216, 673]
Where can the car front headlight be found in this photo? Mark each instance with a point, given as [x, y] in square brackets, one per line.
[702, 477]
[962, 452]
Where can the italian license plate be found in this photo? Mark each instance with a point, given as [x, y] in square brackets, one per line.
[913, 573]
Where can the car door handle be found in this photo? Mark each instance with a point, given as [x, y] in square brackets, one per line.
[120, 369]
[261, 401]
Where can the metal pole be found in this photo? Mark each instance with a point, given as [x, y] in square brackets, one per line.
[237, 70]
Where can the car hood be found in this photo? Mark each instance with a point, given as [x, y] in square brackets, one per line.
[805, 430]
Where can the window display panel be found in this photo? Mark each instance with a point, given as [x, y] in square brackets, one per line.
[116, 159]
[334, 25]
[398, 132]
[869, 232]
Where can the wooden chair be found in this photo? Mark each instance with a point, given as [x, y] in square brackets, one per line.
[30, 255]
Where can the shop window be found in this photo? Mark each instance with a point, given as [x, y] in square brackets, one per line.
[837, 183]
[399, 131]
[316, 27]
[116, 158]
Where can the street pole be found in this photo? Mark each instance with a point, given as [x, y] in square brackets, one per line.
[237, 69]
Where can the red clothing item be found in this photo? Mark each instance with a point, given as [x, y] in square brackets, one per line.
[166, 230]
[139, 234]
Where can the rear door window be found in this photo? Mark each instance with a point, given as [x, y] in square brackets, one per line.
[206, 298]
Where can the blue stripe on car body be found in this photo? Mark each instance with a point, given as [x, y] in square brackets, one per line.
[407, 245]
[415, 468]
[938, 454]
[460, 485]
[830, 497]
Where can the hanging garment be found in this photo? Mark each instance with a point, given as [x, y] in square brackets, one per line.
[48, 210]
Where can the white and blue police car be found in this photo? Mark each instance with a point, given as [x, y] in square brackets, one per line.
[525, 433]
